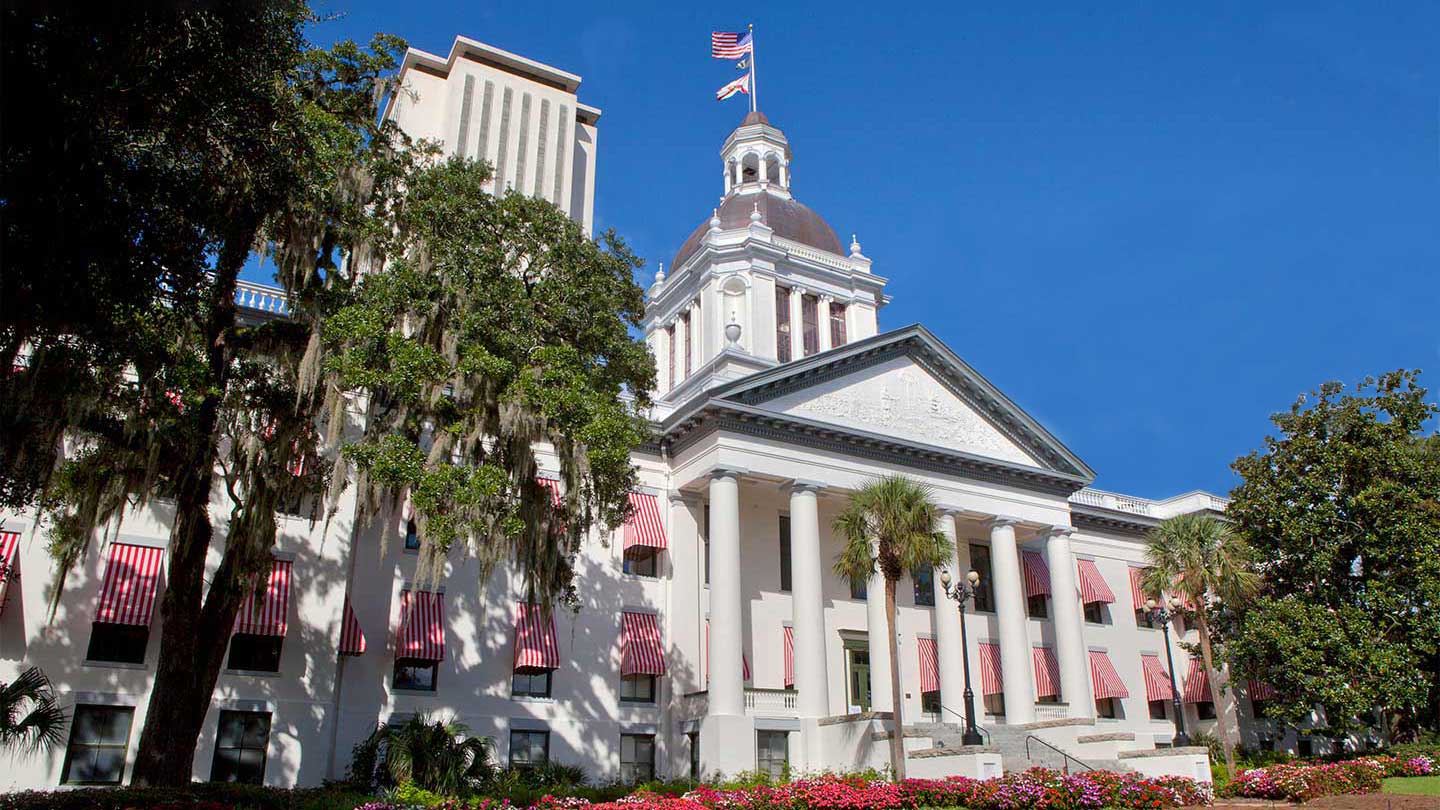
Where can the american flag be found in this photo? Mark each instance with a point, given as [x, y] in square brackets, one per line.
[729, 44]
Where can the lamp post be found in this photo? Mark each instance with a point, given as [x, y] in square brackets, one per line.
[961, 592]
[1162, 612]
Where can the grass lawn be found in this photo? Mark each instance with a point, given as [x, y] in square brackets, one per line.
[1413, 785]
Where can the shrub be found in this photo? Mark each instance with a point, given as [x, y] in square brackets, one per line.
[1300, 782]
[198, 796]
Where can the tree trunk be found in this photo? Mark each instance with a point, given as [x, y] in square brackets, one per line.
[1222, 725]
[897, 721]
[195, 628]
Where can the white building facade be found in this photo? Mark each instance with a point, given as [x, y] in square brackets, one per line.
[713, 636]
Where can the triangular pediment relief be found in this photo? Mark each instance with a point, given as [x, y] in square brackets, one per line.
[902, 399]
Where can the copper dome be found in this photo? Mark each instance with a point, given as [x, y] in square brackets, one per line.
[788, 218]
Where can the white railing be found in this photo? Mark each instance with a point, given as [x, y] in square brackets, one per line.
[1051, 711]
[770, 701]
[817, 256]
[1109, 500]
[261, 297]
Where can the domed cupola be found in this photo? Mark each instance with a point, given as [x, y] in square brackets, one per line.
[762, 280]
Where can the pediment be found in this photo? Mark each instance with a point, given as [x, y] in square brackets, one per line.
[901, 399]
[908, 387]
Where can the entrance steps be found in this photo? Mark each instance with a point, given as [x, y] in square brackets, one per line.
[1061, 745]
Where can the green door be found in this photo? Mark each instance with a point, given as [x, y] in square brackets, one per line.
[860, 679]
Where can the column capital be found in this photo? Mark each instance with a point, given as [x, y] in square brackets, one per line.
[798, 290]
[1001, 521]
[801, 485]
[718, 471]
[1057, 531]
[680, 496]
[826, 299]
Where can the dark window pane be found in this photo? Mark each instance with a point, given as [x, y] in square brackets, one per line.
[782, 324]
[1205, 711]
[784, 553]
[256, 653]
[1095, 613]
[240, 743]
[858, 589]
[924, 579]
[99, 736]
[1038, 606]
[120, 643]
[837, 325]
[411, 673]
[637, 689]
[930, 702]
[980, 564]
[531, 683]
[412, 535]
[810, 337]
[1157, 709]
[641, 561]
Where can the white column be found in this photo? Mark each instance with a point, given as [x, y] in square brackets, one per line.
[1016, 661]
[727, 690]
[811, 678]
[687, 561]
[947, 634]
[797, 323]
[1069, 629]
[822, 317]
[877, 631]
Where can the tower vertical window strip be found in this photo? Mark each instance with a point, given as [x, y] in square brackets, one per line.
[505, 101]
[560, 153]
[466, 100]
[782, 324]
[523, 151]
[809, 315]
[837, 325]
[544, 141]
[670, 341]
[482, 151]
[685, 322]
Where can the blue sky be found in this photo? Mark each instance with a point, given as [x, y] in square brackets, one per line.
[1150, 225]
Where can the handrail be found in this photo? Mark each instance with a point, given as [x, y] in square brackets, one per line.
[1064, 763]
[983, 733]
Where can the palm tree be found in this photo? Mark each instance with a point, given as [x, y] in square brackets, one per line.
[890, 526]
[436, 755]
[1199, 556]
[29, 719]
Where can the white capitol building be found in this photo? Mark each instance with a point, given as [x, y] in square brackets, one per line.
[779, 394]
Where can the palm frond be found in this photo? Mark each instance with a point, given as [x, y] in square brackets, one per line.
[30, 722]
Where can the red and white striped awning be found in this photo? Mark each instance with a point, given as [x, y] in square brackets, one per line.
[1047, 672]
[643, 528]
[929, 665]
[1259, 690]
[422, 626]
[535, 644]
[1137, 587]
[1092, 585]
[990, 680]
[1197, 683]
[642, 652]
[1157, 680]
[352, 638]
[9, 553]
[1108, 683]
[1037, 574]
[744, 659]
[264, 611]
[789, 656]
[552, 484]
[127, 594]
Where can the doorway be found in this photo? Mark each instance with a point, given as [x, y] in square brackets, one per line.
[857, 665]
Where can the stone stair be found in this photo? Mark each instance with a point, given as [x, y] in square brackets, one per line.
[1010, 742]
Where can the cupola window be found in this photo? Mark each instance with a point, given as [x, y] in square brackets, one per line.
[782, 324]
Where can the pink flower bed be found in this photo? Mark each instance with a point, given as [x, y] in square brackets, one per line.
[1298, 781]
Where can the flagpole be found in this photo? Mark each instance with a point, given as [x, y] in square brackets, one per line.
[754, 92]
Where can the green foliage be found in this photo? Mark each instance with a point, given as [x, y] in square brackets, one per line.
[199, 796]
[30, 722]
[424, 754]
[1342, 505]
[898, 513]
[498, 327]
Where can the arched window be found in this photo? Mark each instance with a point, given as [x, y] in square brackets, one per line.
[772, 168]
[750, 168]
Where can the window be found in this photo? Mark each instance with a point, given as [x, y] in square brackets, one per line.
[705, 542]
[530, 683]
[120, 643]
[837, 324]
[859, 588]
[637, 758]
[1108, 708]
[694, 738]
[670, 341]
[930, 702]
[772, 753]
[637, 689]
[782, 324]
[1205, 710]
[642, 561]
[1097, 613]
[254, 652]
[995, 705]
[1257, 708]
[1038, 606]
[809, 317]
[1305, 747]
[785, 553]
[412, 536]
[1143, 618]
[1048, 699]
[414, 673]
[240, 744]
[924, 579]
[1158, 710]
[98, 738]
[529, 748]
[980, 564]
[685, 321]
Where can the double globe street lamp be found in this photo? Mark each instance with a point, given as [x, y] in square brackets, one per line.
[1162, 612]
[961, 592]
